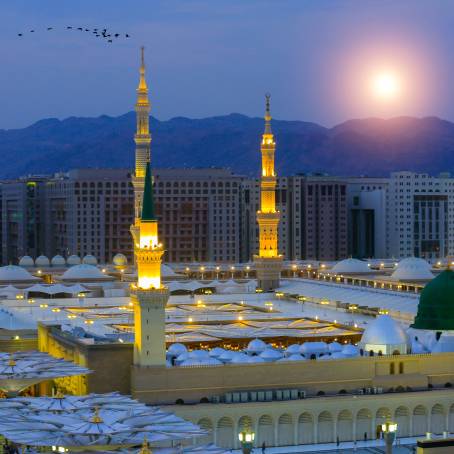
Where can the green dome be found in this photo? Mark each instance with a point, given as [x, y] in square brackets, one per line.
[436, 304]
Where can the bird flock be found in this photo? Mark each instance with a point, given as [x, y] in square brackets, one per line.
[102, 33]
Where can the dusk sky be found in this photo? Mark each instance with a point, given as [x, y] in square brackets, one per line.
[214, 57]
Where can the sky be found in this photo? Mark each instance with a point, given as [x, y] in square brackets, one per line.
[319, 59]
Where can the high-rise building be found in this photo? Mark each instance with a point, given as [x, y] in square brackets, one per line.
[268, 261]
[23, 218]
[89, 211]
[367, 226]
[420, 210]
[199, 213]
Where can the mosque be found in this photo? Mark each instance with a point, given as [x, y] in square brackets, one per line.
[291, 379]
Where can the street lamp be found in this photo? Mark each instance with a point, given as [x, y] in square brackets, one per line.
[389, 430]
[247, 271]
[246, 438]
[202, 269]
[294, 267]
[232, 269]
[217, 272]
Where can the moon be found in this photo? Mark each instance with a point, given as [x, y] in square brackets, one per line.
[386, 86]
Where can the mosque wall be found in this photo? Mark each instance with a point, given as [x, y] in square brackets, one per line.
[322, 419]
[192, 384]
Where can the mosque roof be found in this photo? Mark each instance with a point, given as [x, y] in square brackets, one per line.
[412, 269]
[351, 266]
[73, 260]
[58, 260]
[26, 260]
[120, 260]
[13, 273]
[436, 308]
[84, 272]
[384, 330]
[42, 260]
[90, 260]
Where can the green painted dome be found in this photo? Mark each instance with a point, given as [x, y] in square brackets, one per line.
[436, 304]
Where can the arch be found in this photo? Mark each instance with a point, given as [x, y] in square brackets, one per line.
[265, 431]
[206, 424]
[419, 420]
[364, 424]
[383, 414]
[224, 433]
[285, 430]
[325, 427]
[305, 429]
[245, 422]
[437, 419]
[402, 418]
[345, 425]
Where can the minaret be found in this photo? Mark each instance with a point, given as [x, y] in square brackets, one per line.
[268, 262]
[142, 139]
[150, 297]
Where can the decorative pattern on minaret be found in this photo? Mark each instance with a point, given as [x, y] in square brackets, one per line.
[267, 216]
[142, 137]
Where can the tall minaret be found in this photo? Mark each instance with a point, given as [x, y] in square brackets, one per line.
[142, 139]
[150, 296]
[268, 262]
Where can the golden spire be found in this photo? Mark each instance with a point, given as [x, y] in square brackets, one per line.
[145, 447]
[267, 114]
[142, 82]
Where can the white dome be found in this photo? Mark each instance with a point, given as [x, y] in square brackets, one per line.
[293, 349]
[309, 348]
[120, 260]
[83, 272]
[199, 354]
[227, 356]
[444, 344]
[350, 266]
[42, 260]
[255, 359]
[412, 269]
[90, 260]
[293, 357]
[239, 358]
[350, 350]
[384, 330]
[256, 346]
[73, 260]
[26, 260]
[216, 352]
[334, 347]
[177, 349]
[58, 260]
[270, 355]
[13, 273]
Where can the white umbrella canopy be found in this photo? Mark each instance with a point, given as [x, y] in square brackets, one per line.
[22, 369]
[109, 421]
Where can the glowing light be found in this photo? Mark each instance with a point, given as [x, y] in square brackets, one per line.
[386, 85]
[149, 282]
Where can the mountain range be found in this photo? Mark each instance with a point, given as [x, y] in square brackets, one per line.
[373, 146]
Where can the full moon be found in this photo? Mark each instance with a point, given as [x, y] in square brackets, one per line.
[386, 86]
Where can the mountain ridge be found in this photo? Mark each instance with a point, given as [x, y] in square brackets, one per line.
[369, 146]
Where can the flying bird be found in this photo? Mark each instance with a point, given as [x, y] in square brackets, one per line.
[49, 28]
[19, 34]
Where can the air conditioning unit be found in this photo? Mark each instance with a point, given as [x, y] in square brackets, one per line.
[380, 390]
[268, 396]
[368, 390]
[244, 397]
[215, 399]
[228, 398]
[235, 398]
[294, 394]
[278, 394]
[253, 396]
[261, 396]
[286, 394]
